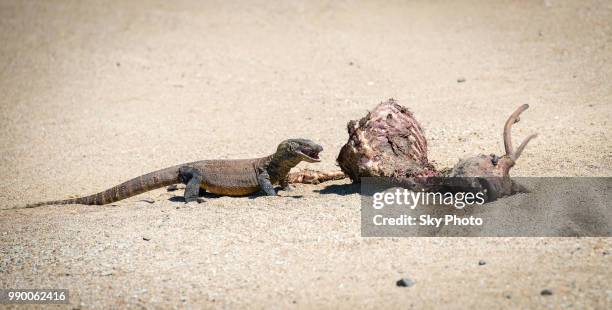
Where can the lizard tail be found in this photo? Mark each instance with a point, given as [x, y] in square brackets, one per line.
[133, 187]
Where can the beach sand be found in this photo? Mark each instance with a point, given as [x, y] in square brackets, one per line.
[94, 93]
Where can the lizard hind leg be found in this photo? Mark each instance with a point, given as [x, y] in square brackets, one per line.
[192, 178]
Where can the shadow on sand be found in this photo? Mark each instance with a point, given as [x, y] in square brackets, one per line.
[340, 189]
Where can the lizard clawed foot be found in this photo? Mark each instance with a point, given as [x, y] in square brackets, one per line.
[193, 203]
[194, 199]
[191, 199]
[288, 188]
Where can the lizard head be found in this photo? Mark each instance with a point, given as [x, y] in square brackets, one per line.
[302, 149]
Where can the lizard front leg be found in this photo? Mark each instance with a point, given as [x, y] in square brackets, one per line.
[263, 178]
[284, 183]
[192, 178]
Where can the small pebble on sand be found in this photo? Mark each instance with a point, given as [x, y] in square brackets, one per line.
[405, 282]
[546, 292]
[481, 263]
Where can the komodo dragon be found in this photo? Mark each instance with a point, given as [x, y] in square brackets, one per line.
[231, 177]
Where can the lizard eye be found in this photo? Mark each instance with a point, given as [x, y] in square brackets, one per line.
[293, 146]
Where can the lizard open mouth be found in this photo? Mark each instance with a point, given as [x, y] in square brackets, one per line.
[311, 154]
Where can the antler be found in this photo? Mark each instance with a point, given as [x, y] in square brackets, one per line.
[514, 118]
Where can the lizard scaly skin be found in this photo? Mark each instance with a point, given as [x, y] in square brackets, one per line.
[237, 177]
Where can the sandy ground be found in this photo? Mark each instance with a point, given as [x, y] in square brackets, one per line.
[96, 92]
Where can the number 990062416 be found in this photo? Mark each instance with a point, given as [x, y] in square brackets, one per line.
[34, 296]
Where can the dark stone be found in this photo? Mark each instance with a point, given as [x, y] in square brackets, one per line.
[546, 292]
[405, 282]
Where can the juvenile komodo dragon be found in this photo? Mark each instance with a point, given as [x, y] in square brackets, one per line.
[231, 177]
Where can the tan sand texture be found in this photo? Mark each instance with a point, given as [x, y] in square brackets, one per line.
[93, 93]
